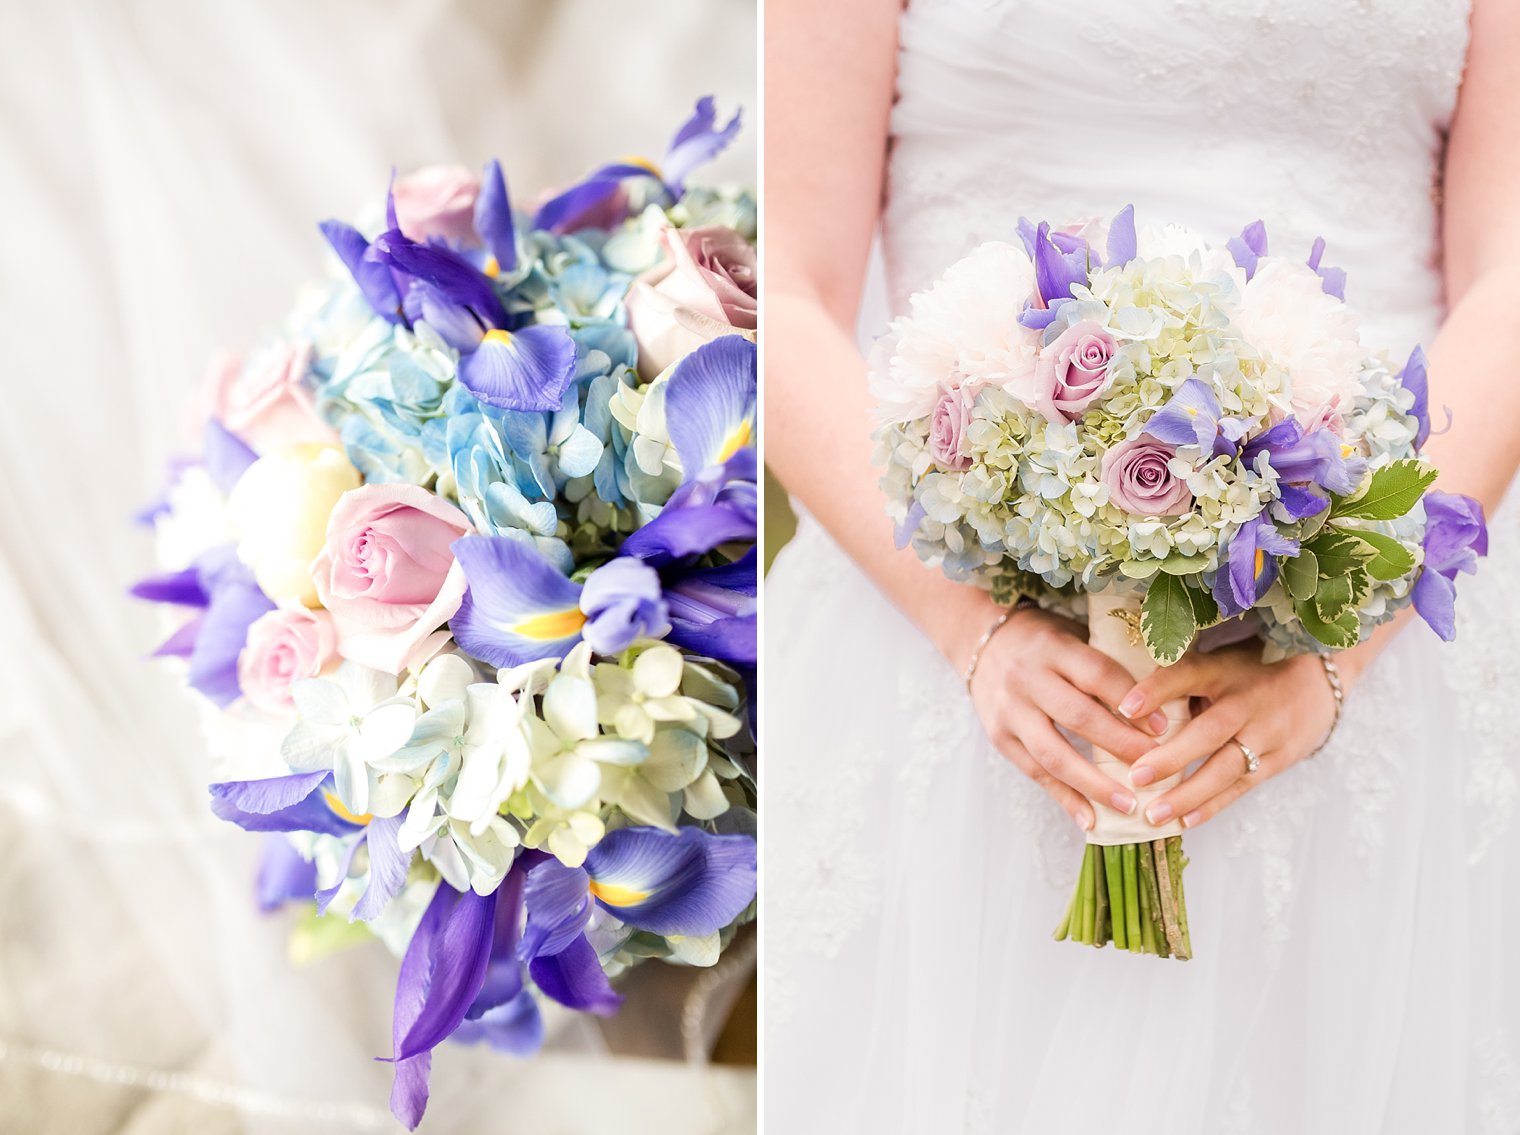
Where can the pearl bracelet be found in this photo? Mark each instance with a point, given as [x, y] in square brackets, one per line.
[997, 625]
[1338, 692]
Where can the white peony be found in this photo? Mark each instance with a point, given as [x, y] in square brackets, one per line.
[964, 329]
[1287, 315]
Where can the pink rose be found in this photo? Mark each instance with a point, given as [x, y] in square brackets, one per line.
[1140, 479]
[387, 574]
[703, 288]
[947, 429]
[283, 647]
[264, 398]
[438, 201]
[1072, 372]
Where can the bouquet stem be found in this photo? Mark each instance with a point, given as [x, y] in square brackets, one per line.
[1129, 891]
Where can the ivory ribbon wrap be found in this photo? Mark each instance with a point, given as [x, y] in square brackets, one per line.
[1113, 626]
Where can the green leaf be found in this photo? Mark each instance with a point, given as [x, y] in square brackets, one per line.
[1167, 619]
[1139, 569]
[1341, 634]
[1339, 552]
[1389, 493]
[1341, 593]
[1310, 526]
[1301, 575]
[1391, 559]
[1178, 564]
[1205, 609]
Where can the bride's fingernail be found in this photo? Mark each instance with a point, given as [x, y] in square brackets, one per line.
[1123, 801]
[1131, 704]
[1158, 722]
[1141, 775]
[1084, 820]
[1158, 813]
[1191, 818]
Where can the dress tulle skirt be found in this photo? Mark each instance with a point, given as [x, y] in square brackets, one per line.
[1355, 922]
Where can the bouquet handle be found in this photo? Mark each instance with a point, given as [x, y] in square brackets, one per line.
[1113, 627]
[1130, 888]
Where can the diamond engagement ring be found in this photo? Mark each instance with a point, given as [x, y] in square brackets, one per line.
[1253, 762]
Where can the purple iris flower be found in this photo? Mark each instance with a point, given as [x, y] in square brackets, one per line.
[529, 368]
[1192, 417]
[229, 601]
[601, 200]
[304, 802]
[1455, 536]
[623, 602]
[689, 883]
[512, 367]
[1062, 260]
[462, 975]
[1299, 459]
[1251, 566]
[1332, 280]
[1249, 247]
[1060, 264]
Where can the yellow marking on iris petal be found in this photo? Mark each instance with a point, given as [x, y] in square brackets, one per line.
[1192, 411]
[492, 269]
[644, 164]
[614, 895]
[1347, 450]
[497, 335]
[736, 441]
[1261, 562]
[554, 625]
[337, 806]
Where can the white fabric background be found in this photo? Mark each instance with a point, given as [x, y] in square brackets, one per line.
[163, 166]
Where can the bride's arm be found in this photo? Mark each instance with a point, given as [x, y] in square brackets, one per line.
[830, 72]
[1469, 374]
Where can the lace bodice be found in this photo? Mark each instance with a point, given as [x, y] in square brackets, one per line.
[1322, 118]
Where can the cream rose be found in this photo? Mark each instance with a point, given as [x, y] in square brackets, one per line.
[704, 287]
[279, 511]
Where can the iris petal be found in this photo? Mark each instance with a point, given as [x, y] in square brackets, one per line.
[524, 370]
[518, 608]
[710, 403]
[691, 883]
[574, 977]
[278, 804]
[388, 866]
[459, 956]
[369, 271]
[698, 141]
[493, 218]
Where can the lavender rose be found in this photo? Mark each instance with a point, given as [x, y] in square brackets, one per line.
[703, 288]
[1072, 372]
[1140, 479]
[947, 430]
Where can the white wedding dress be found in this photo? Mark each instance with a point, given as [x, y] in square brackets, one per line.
[1353, 920]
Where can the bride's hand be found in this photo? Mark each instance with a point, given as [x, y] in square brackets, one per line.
[1037, 673]
[1280, 710]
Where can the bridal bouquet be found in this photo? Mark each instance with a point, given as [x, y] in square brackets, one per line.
[1185, 437]
[470, 559]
